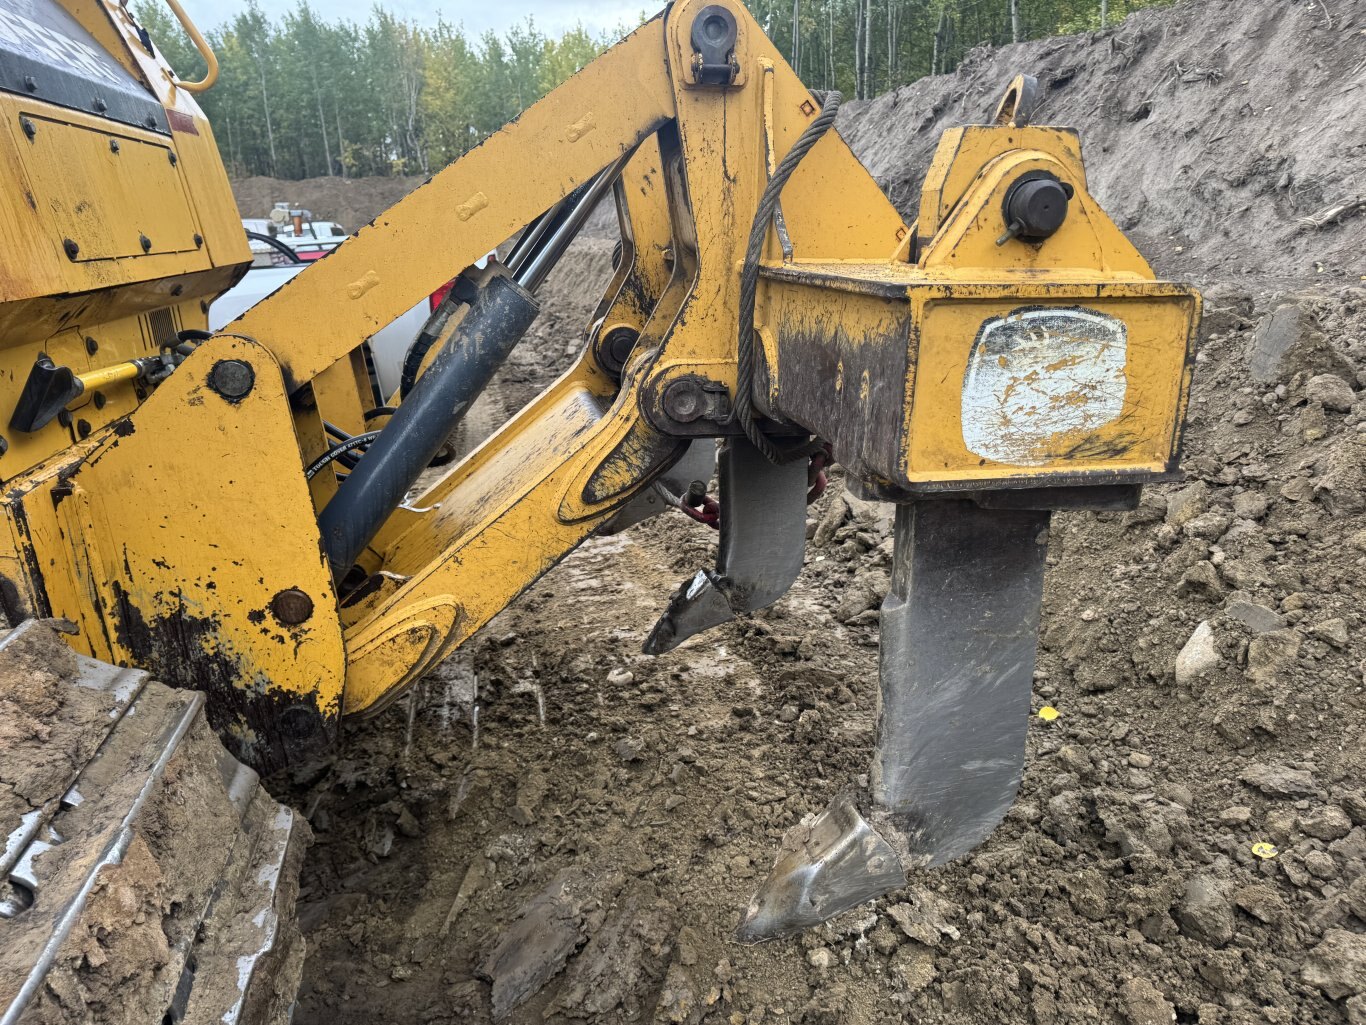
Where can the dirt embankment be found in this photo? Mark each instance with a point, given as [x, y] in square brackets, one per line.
[350, 202]
[1224, 137]
[561, 829]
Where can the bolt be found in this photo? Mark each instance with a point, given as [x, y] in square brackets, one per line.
[30, 129]
[30, 83]
[618, 344]
[145, 242]
[198, 240]
[172, 156]
[91, 346]
[291, 606]
[83, 428]
[113, 145]
[149, 121]
[100, 105]
[71, 248]
[232, 378]
[100, 400]
[4, 445]
[684, 401]
[64, 418]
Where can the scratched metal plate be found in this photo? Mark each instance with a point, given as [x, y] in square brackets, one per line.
[1038, 378]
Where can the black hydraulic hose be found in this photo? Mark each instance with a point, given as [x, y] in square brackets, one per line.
[498, 316]
[338, 450]
[275, 243]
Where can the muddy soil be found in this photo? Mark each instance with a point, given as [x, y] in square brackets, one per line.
[558, 828]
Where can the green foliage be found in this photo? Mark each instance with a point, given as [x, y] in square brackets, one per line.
[305, 96]
[865, 47]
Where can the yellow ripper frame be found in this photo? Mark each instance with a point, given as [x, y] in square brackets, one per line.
[181, 534]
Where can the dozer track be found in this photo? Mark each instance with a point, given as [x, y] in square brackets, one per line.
[146, 875]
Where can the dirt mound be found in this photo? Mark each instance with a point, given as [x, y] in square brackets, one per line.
[1224, 137]
[350, 202]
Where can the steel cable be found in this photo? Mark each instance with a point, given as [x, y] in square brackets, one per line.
[749, 283]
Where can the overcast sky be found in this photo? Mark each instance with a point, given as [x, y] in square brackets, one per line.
[552, 16]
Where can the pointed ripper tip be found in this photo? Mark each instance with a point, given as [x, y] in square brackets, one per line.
[956, 664]
[825, 865]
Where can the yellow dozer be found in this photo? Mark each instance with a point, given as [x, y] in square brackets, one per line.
[239, 514]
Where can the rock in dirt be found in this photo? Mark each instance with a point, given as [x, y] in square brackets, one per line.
[1257, 618]
[864, 592]
[913, 966]
[1326, 822]
[1286, 341]
[1332, 631]
[1280, 780]
[536, 946]
[620, 963]
[1198, 656]
[1355, 807]
[1331, 391]
[1142, 1003]
[1187, 504]
[1250, 505]
[1272, 652]
[1205, 911]
[1338, 964]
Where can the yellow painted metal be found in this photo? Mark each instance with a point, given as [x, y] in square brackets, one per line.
[647, 257]
[124, 338]
[472, 206]
[862, 318]
[1141, 437]
[168, 536]
[343, 393]
[858, 346]
[200, 44]
[487, 530]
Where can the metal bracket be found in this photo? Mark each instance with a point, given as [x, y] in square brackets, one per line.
[763, 539]
[713, 36]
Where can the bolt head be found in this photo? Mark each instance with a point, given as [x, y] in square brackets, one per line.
[232, 378]
[684, 401]
[617, 346]
[291, 606]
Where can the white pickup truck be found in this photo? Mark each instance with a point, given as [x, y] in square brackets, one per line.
[388, 346]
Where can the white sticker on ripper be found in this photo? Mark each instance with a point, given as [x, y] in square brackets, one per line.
[1038, 380]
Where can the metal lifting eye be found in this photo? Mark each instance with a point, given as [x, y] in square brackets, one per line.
[713, 35]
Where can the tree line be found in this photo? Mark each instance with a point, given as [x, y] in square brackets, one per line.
[305, 96]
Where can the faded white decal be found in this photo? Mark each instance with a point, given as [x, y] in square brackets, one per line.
[1038, 378]
[44, 44]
